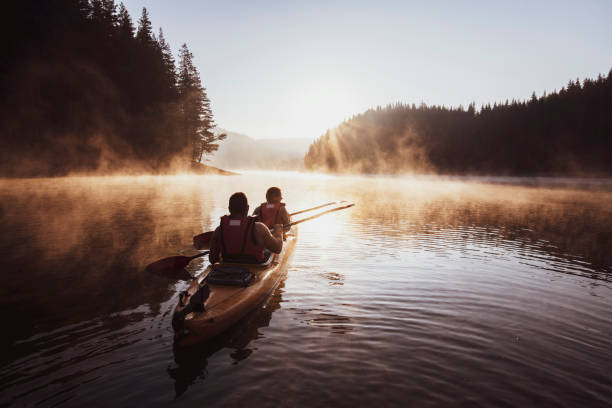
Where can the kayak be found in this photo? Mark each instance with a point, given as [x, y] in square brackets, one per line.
[226, 305]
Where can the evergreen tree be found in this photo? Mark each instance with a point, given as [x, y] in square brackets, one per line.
[168, 63]
[472, 109]
[109, 13]
[561, 133]
[87, 80]
[124, 23]
[96, 10]
[198, 122]
[104, 16]
[144, 35]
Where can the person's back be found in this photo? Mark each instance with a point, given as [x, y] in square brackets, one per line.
[273, 211]
[240, 238]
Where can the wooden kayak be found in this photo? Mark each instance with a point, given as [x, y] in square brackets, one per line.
[226, 305]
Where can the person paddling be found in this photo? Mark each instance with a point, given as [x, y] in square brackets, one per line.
[273, 211]
[240, 238]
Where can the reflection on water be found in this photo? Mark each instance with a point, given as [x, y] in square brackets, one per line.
[570, 224]
[82, 245]
[440, 292]
[191, 362]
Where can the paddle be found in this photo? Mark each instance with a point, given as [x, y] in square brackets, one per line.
[202, 241]
[173, 262]
[208, 234]
[178, 262]
[317, 207]
[312, 217]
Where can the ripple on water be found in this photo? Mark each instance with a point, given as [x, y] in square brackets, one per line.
[427, 293]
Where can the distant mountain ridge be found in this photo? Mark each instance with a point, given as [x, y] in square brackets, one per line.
[240, 151]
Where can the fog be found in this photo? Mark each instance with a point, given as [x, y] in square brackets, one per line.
[130, 219]
[76, 247]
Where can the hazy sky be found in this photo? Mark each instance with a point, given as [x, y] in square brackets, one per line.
[294, 69]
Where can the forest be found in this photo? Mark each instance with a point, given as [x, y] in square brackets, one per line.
[564, 133]
[86, 90]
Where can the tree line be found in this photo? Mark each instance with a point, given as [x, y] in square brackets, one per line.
[562, 133]
[84, 89]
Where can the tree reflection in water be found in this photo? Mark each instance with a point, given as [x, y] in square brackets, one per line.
[575, 225]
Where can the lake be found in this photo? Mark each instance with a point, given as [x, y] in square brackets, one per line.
[429, 292]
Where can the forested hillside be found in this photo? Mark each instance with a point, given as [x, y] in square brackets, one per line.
[84, 89]
[563, 133]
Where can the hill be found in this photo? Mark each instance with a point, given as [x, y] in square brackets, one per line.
[563, 133]
[239, 151]
[84, 90]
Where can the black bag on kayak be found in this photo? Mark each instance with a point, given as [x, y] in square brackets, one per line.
[229, 275]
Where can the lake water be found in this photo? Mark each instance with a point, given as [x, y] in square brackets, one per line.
[429, 292]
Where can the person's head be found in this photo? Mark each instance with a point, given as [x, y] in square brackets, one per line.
[238, 204]
[274, 195]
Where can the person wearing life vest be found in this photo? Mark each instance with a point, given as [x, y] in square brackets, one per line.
[273, 211]
[240, 238]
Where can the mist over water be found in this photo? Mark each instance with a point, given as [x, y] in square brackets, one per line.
[429, 292]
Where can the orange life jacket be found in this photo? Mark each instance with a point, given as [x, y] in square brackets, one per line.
[269, 213]
[238, 240]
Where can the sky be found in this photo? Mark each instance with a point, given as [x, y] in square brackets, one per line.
[284, 69]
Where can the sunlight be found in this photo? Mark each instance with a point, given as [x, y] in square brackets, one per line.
[328, 229]
[436, 194]
[320, 107]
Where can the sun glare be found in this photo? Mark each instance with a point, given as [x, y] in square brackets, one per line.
[328, 229]
[320, 107]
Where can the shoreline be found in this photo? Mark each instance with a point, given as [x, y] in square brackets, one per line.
[200, 168]
[197, 169]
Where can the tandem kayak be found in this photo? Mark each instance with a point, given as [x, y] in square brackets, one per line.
[226, 305]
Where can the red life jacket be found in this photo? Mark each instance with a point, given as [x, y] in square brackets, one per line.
[269, 213]
[238, 240]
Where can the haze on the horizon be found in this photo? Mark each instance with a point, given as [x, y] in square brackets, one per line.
[296, 69]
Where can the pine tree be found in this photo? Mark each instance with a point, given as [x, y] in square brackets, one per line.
[120, 91]
[96, 10]
[472, 109]
[109, 13]
[124, 23]
[198, 122]
[168, 62]
[104, 15]
[144, 35]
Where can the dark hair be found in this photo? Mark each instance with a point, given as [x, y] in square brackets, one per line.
[238, 204]
[272, 193]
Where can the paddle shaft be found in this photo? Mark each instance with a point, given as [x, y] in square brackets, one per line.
[201, 241]
[315, 208]
[312, 217]
[199, 255]
[173, 262]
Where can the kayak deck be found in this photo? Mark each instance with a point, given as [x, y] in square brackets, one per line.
[226, 305]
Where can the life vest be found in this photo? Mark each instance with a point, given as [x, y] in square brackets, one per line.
[237, 238]
[269, 213]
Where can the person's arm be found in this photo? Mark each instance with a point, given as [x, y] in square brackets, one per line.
[284, 216]
[215, 248]
[257, 212]
[272, 241]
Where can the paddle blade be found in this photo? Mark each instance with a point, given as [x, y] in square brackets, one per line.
[172, 262]
[202, 241]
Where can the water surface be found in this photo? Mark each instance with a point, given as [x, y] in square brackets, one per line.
[429, 292]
